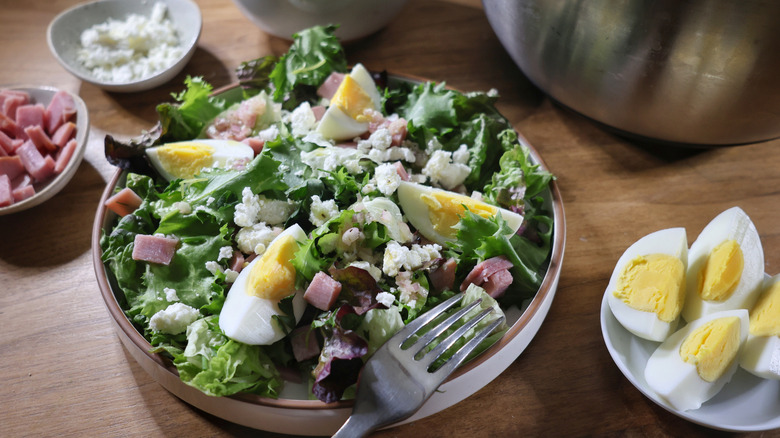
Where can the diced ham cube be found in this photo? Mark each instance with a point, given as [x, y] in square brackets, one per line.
[22, 180]
[7, 143]
[64, 156]
[318, 111]
[61, 109]
[11, 166]
[38, 166]
[6, 194]
[331, 84]
[484, 271]
[154, 249]
[40, 139]
[498, 283]
[65, 132]
[443, 277]
[5, 93]
[23, 193]
[237, 261]
[399, 167]
[322, 291]
[124, 202]
[398, 131]
[304, 343]
[29, 115]
[12, 103]
[9, 126]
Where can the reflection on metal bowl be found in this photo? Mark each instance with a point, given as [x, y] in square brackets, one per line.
[700, 72]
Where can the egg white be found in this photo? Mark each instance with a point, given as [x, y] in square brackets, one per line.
[250, 319]
[734, 224]
[417, 212]
[647, 325]
[676, 381]
[336, 124]
[225, 152]
[761, 354]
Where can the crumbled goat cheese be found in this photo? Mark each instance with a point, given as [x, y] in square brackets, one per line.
[230, 275]
[443, 171]
[183, 207]
[461, 155]
[321, 211]
[170, 295]
[174, 319]
[226, 252]
[397, 257]
[330, 158]
[392, 154]
[257, 208]
[123, 51]
[385, 298]
[381, 139]
[213, 267]
[301, 120]
[256, 238]
[387, 178]
[268, 134]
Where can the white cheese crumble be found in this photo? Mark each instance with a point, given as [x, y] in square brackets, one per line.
[174, 319]
[256, 238]
[254, 209]
[387, 178]
[321, 211]
[183, 207]
[397, 257]
[170, 295]
[128, 50]
[226, 252]
[301, 120]
[385, 298]
[442, 170]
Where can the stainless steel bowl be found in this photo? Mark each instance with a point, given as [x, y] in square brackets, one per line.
[704, 72]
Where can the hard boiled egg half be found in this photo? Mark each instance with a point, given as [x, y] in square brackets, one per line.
[761, 353]
[252, 303]
[725, 266]
[435, 212]
[345, 117]
[692, 365]
[186, 159]
[646, 291]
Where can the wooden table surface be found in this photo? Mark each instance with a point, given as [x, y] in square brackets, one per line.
[65, 373]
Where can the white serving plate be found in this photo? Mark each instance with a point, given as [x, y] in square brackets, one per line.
[746, 403]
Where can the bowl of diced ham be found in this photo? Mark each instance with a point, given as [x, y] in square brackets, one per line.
[43, 134]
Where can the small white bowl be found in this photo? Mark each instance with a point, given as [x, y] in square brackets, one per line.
[47, 189]
[356, 18]
[64, 36]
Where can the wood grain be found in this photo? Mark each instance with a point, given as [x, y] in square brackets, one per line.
[65, 373]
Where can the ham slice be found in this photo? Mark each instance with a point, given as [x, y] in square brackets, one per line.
[63, 134]
[29, 115]
[490, 274]
[40, 139]
[12, 102]
[6, 194]
[154, 249]
[443, 277]
[61, 109]
[64, 156]
[124, 202]
[23, 193]
[9, 126]
[9, 144]
[322, 291]
[237, 261]
[38, 166]
[11, 166]
[304, 343]
[331, 84]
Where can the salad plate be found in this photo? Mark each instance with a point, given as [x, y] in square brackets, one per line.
[294, 409]
[746, 403]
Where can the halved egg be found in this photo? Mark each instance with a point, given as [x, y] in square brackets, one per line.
[761, 353]
[186, 159]
[693, 364]
[646, 291]
[345, 117]
[252, 304]
[725, 266]
[435, 212]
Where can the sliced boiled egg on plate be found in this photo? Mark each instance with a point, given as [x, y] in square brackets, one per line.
[693, 364]
[435, 212]
[186, 159]
[725, 266]
[251, 308]
[761, 353]
[646, 291]
[346, 116]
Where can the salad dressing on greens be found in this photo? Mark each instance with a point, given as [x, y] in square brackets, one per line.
[373, 252]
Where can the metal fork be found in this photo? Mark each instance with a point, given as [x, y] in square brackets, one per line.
[398, 379]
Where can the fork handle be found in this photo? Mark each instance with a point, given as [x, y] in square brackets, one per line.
[356, 426]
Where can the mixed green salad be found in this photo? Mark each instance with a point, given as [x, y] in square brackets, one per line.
[396, 218]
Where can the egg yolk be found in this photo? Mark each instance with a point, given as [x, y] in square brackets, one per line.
[185, 160]
[765, 317]
[445, 210]
[352, 99]
[273, 276]
[722, 271]
[712, 347]
[653, 283]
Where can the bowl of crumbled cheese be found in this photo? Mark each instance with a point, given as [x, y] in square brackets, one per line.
[126, 46]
